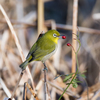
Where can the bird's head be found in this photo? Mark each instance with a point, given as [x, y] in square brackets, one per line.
[53, 35]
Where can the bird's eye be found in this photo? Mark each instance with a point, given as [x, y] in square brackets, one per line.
[54, 35]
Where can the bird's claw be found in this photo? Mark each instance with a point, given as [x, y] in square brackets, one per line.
[45, 69]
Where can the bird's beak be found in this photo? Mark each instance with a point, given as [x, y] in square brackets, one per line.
[62, 37]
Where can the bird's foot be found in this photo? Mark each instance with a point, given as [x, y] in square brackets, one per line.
[45, 69]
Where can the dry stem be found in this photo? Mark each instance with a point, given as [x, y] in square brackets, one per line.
[18, 46]
[75, 7]
[58, 26]
[32, 91]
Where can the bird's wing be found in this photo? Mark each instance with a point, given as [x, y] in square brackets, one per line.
[34, 47]
[41, 48]
[32, 50]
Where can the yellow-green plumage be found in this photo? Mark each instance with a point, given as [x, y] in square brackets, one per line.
[43, 48]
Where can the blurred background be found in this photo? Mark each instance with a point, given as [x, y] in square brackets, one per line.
[29, 18]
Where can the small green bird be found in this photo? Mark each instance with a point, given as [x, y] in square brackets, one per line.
[43, 49]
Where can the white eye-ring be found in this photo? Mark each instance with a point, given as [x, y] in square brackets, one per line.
[54, 35]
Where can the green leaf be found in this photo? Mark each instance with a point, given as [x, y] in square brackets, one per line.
[76, 81]
[63, 75]
[67, 78]
[75, 85]
[82, 75]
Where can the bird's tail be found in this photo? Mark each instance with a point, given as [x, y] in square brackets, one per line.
[24, 64]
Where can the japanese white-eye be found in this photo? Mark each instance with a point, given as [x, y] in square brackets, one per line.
[43, 48]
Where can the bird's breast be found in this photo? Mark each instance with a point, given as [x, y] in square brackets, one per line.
[49, 55]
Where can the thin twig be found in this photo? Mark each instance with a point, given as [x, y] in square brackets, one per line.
[5, 88]
[32, 91]
[17, 85]
[24, 93]
[45, 84]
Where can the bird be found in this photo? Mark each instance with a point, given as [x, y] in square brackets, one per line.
[43, 48]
